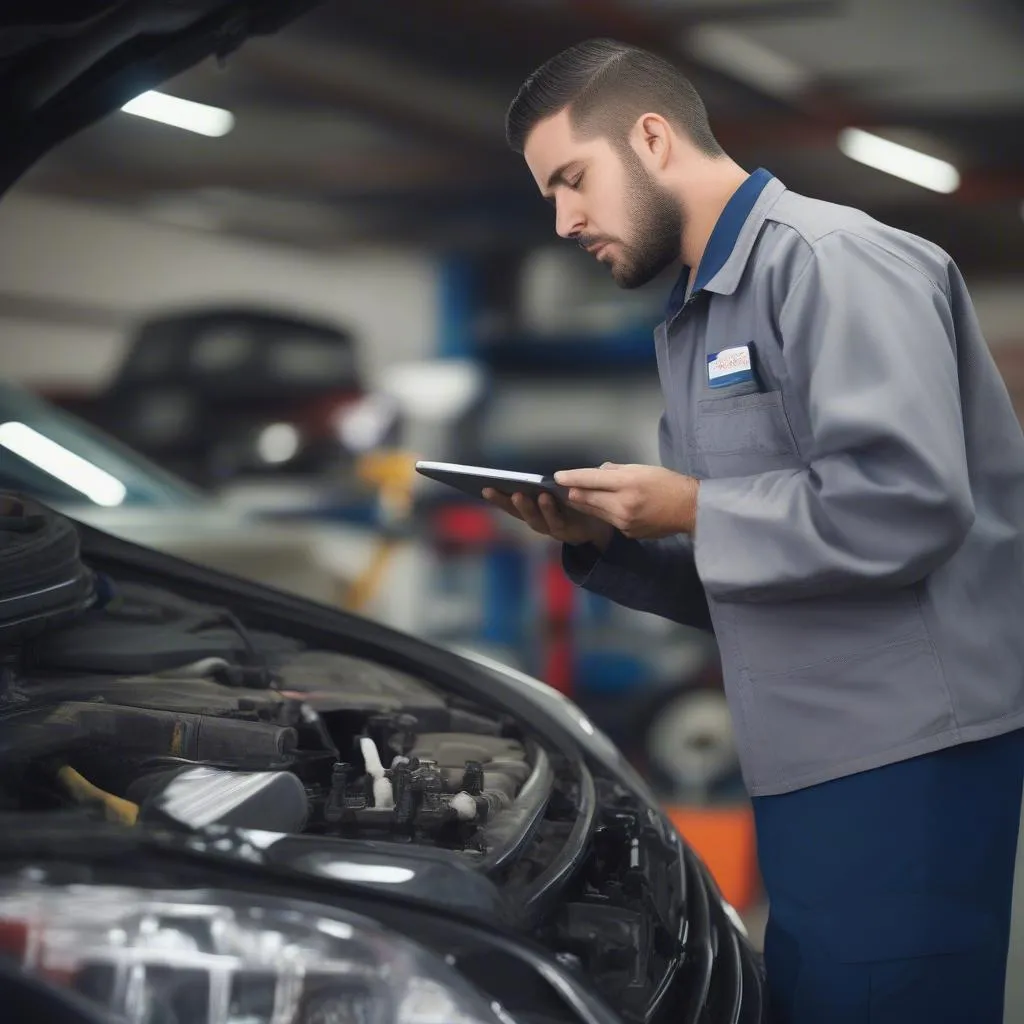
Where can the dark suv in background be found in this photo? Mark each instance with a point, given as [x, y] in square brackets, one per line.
[213, 394]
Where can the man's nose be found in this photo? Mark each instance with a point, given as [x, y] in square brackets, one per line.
[569, 219]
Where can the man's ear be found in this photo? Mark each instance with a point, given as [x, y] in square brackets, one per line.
[652, 139]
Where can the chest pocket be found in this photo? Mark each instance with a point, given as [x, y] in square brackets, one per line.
[742, 435]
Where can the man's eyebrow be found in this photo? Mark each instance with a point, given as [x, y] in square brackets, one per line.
[557, 177]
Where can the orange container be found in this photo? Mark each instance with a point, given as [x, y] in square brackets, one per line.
[723, 837]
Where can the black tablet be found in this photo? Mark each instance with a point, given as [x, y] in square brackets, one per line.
[474, 479]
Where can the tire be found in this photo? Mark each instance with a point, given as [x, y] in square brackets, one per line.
[688, 742]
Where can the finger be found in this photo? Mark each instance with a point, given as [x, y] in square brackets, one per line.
[589, 479]
[603, 504]
[530, 513]
[502, 501]
[552, 512]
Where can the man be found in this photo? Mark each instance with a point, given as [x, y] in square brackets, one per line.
[841, 500]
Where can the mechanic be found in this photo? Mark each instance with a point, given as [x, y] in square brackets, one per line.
[841, 501]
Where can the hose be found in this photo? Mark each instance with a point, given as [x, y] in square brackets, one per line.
[121, 812]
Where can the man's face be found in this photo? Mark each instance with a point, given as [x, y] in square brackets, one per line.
[606, 200]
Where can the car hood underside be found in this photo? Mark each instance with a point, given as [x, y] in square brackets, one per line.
[66, 66]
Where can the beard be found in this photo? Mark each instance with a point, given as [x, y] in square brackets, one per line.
[657, 228]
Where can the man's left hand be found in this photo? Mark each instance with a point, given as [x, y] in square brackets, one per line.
[641, 502]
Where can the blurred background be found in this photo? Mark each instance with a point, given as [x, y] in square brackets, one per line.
[227, 330]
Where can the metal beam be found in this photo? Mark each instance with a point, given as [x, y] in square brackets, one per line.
[361, 173]
[817, 115]
[469, 118]
[991, 186]
[422, 103]
[60, 312]
[674, 13]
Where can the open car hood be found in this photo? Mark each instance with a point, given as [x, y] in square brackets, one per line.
[64, 66]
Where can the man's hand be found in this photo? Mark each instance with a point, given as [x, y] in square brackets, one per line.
[549, 518]
[641, 502]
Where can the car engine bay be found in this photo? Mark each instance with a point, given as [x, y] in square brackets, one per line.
[152, 709]
[135, 695]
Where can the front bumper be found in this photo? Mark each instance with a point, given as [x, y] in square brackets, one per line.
[719, 978]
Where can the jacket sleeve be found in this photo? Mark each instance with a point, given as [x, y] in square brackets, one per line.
[650, 576]
[885, 499]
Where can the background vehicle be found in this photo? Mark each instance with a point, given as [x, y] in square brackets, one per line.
[214, 394]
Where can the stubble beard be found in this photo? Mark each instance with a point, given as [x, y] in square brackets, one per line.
[657, 228]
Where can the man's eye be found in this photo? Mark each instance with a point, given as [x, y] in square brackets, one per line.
[576, 182]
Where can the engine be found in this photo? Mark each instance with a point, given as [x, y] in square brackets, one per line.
[161, 709]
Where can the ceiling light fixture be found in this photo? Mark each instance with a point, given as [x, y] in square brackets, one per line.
[96, 484]
[899, 161]
[747, 60]
[192, 117]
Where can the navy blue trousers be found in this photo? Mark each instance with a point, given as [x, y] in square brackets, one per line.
[890, 890]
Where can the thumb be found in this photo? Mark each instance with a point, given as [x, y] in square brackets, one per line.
[610, 465]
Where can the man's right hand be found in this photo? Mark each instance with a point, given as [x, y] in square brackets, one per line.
[551, 519]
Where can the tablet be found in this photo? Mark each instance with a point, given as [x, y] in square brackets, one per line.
[474, 479]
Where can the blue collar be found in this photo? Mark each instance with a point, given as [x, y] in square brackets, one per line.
[723, 239]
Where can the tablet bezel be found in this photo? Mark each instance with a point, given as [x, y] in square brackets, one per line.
[473, 480]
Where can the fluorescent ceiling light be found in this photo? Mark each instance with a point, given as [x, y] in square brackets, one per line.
[899, 161]
[750, 62]
[71, 469]
[193, 117]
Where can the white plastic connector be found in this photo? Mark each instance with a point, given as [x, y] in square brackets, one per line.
[383, 794]
[371, 757]
[464, 805]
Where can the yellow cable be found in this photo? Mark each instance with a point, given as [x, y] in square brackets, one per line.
[365, 586]
[122, 812]
[393, 473]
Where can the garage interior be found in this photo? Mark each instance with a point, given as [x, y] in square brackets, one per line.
[354, 208]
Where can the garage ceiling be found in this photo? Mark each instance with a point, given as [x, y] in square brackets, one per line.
[384, 122]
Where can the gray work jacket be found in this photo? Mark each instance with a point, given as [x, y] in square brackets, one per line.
[858, 549]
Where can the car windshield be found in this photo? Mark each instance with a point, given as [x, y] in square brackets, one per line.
[51, 455]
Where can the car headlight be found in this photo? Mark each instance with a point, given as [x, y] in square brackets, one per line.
[216, 957]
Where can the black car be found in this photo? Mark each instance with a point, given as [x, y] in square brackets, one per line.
[220, 803]
[217, 393]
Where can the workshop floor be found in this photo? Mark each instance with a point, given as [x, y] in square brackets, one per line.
[756, 918]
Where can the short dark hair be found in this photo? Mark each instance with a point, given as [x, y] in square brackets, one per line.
[607, 85]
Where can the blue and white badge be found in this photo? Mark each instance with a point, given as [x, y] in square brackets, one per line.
[730, 366]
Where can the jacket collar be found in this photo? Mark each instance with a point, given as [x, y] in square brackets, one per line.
[732, 240]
